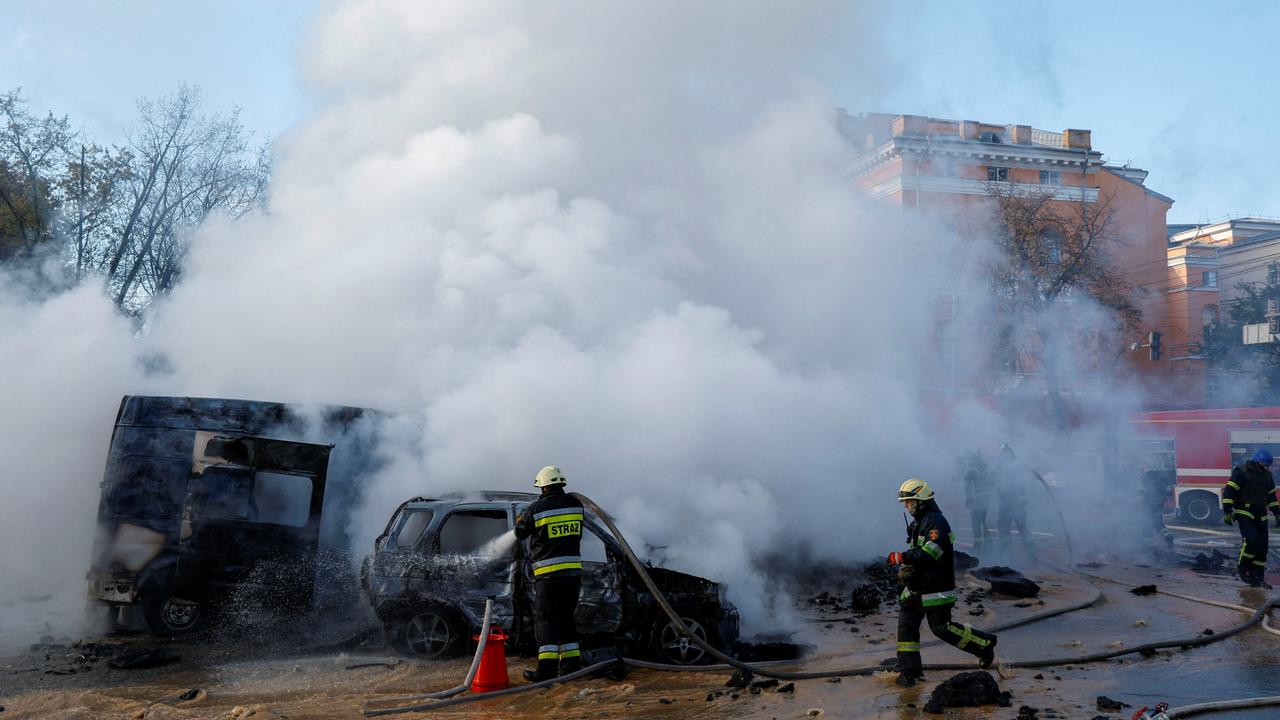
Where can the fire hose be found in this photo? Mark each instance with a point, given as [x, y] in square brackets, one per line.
[466, 683]
[762, 670]
[1222, 705]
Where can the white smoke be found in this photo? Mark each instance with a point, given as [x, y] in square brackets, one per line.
[615, 240]
[610, 238]
[69, 358]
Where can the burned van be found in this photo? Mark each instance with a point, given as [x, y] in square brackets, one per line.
[207, 499]
[439, 559]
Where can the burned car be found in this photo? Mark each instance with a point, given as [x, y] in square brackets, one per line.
[206, 501]
[439, 559]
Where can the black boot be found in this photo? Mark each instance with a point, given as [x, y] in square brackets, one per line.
[907, 678]
[988, 655]
[569, 665]
[547, 670]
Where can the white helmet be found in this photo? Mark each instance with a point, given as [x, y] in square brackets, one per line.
[549, 475]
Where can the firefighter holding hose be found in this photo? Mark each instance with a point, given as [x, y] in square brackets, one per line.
[553, 525]
[1247, 497]
[927, 573]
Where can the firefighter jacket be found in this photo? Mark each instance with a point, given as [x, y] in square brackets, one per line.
[1251, 492]
[553, 525]
[931, 556]
[977, 486]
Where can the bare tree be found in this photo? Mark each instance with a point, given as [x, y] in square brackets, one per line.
[1047, 251]
[92, 191]
[184, 167]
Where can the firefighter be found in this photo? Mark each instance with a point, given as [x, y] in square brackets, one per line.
[1011, 492]
[977, 495]
[928, 575]
[1247, 497]
[553, 525]
[1154, 489]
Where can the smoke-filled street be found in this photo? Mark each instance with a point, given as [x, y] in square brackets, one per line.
[243, 671]
[723, 359]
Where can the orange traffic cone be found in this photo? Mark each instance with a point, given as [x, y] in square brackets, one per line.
[492, 674]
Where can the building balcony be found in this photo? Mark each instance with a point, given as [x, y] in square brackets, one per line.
[968, 186]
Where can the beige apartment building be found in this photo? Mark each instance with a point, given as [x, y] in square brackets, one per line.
[947, 167]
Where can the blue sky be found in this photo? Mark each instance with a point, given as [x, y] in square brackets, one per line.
[1184, 90]
[92, 60]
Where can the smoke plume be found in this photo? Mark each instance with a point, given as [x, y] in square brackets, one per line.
[611, 238]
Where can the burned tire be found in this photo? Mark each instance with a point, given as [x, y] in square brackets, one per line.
[433, 633]
[168, 614]
[1200, 508]
[672, 647]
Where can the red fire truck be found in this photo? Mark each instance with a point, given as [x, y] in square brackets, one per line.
[1199, 447]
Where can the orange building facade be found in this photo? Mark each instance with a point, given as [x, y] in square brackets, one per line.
[949, 170]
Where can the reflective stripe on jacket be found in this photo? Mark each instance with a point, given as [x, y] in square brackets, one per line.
[931, 554]
[553, 525]
[1251, 491]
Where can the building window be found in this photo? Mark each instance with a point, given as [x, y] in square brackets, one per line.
[1212, 388]
[947, 168]
[1051, 246]
[1209, 316]
[1273, 274]
[1050, 177]
[997, 174]
[1209, 279]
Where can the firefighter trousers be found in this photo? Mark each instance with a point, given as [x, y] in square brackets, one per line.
[978, 521]
[555, 597]
[912, 612]
[1253, 551]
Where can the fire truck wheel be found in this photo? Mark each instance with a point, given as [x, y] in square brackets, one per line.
[1200, 508]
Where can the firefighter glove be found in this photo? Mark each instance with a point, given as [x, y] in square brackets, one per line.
[895, 558]
[1228, 517]
[904, 573]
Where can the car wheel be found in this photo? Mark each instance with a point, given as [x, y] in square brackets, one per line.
[1200, 508]
[170, 615]
[433, 633]
[674, 648]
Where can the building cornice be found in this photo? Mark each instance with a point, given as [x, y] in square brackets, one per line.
[1194, 261]
[980, 153]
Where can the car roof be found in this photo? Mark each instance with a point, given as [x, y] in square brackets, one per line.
[478, 495]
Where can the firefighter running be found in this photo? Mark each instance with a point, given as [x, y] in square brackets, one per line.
[1247, 497]
[553, 525]
[928, 576]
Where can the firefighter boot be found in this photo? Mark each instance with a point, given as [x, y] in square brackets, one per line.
[988, 654]
[570, 665]
[908, 678]
[547, 670]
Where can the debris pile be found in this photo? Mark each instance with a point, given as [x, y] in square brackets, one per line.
[968, 689]
[1144, 590]
[744, 681]
[1106, 703]
[965, 561]
[865, 599]
[884, 578]
[1007, 581]
[976, 597]
[1215, 563]
[143, 659]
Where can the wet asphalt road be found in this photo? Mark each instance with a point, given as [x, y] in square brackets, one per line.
[239, 679]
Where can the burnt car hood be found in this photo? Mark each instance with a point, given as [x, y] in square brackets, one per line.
[676, 581]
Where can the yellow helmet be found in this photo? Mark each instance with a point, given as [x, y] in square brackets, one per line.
[915, 489]
[549, 475]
